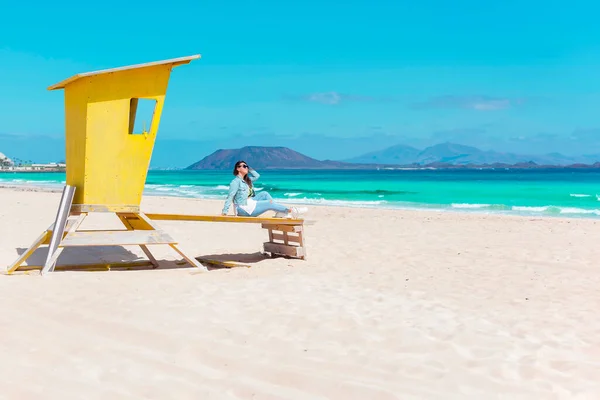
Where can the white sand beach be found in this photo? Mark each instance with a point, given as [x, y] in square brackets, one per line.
[390, 304]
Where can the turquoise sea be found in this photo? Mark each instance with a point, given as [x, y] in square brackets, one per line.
[565, 193]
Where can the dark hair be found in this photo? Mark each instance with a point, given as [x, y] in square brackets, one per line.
[246, 177]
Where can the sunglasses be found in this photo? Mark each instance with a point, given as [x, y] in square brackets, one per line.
[243, 166]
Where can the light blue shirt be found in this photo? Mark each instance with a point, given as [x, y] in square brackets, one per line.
[238, 190]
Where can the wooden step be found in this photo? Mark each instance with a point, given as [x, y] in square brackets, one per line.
[284, 250]
[116, 238]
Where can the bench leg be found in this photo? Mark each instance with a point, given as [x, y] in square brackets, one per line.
[285, 240]
[190, 260]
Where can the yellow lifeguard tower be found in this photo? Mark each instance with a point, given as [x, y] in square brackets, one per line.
[108, 158]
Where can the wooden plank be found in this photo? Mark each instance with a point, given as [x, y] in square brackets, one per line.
[136, 221]
[93, 267]
[128, 221]
[302, 244]
[227, 264]
[148, 254]
[116, 238]
[125, 220]
[282, 249]
[284, 238]
[142, 220]
[174, 61]
[193, 262]
[301, 238]
[224, 218]
[283, 228]
[37, 243]
[105, 208]
[51, 260]
[70, 222]
[147, 221]
[137, 224]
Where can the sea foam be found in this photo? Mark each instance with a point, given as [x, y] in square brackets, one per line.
[469, 205]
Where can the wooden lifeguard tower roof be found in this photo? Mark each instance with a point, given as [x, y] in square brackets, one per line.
[174, 61]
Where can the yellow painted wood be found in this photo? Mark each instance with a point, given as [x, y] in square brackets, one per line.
[144, 219]
[223, 218]
[135, 222]
[37, 243]
[93, 266]
[283, 228]
[226, 264]
[43, 239]
[128, 221]
[106, 162]
[70, 221]
[79, 208]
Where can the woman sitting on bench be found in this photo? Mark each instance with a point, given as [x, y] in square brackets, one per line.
[248, 204]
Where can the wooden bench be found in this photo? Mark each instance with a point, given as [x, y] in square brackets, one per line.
[286, 236]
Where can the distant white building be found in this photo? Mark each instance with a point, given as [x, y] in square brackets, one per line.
[6, 164]
[5, 161]
[49, 166]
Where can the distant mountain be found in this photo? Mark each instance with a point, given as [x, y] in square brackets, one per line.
[260, 157]
[447, 153]
[441, 156]
[399, 154]
[457, 154]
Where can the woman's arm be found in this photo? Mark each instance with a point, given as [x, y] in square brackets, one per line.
[233, 188]
[253, 175]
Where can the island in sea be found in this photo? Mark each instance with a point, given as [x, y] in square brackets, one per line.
[441, 156]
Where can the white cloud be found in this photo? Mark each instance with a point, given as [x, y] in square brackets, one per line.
[479, 103]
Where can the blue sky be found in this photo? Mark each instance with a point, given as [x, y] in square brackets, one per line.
[329, 79]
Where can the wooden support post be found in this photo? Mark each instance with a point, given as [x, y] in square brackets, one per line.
[60, 223]
[302, 243]
[284, 250]
[283, 240]
[34, 246]
[127, 221]
[51, 261]
[190, 260]
[148, 254]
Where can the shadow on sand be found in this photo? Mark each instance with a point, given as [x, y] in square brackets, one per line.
[98, 258]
